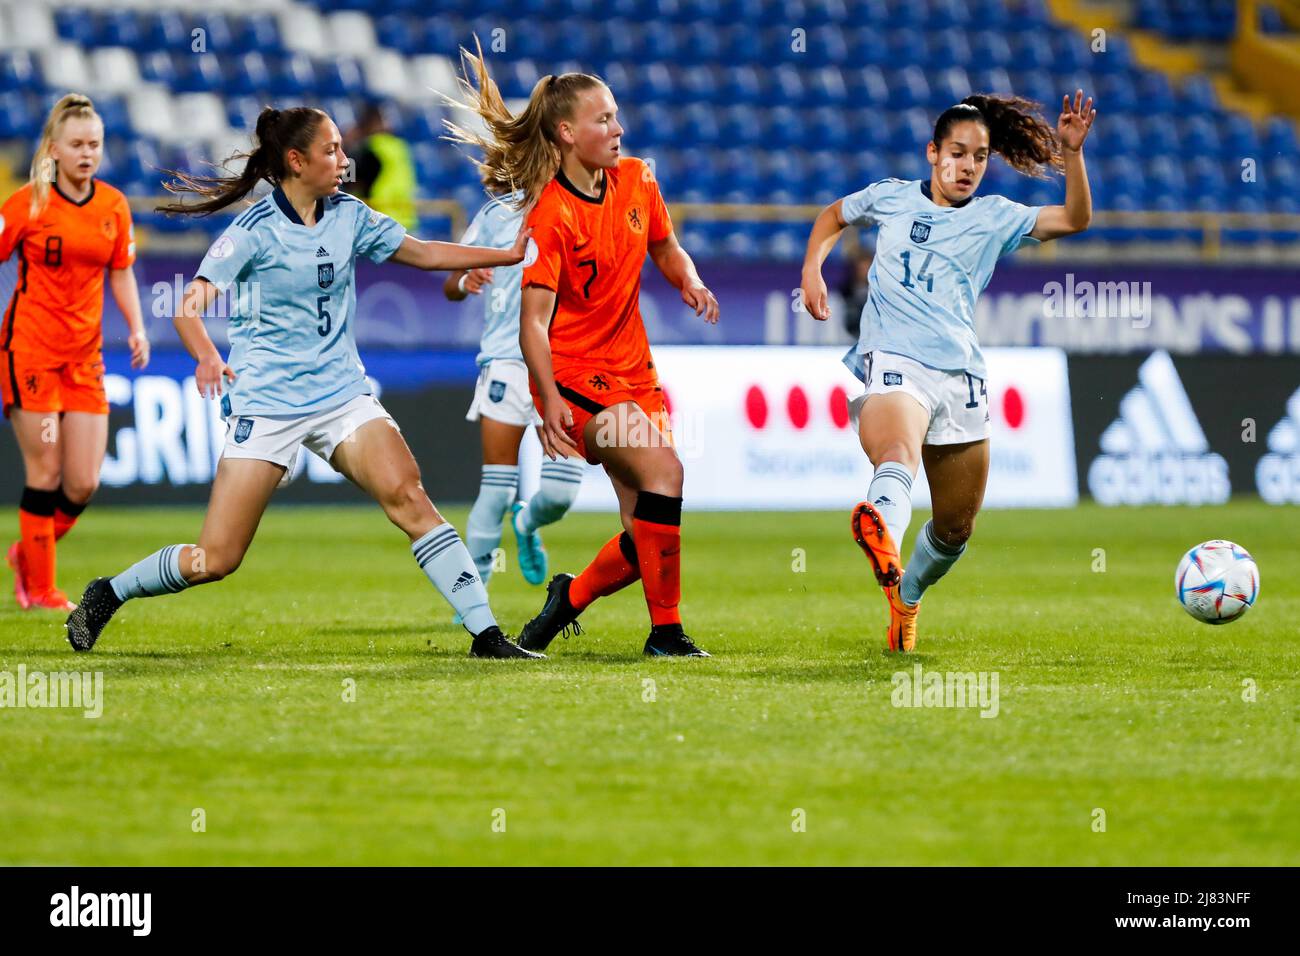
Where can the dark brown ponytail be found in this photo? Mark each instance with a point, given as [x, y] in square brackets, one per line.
[278, 131]
[1017, 131]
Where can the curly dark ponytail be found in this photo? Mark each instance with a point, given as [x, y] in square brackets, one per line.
[1017, 131]
[278, 131]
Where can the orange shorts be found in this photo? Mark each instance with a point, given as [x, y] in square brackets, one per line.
[590, 390]
[40, 383]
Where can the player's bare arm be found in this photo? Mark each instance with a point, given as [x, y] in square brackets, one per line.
[212, 368]
[127, 295]
[431, 255]
[678, 268]
[535, 309]
[463, 283]
[825, 233]
[1075, 216]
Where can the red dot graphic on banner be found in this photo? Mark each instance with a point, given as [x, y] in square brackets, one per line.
[1013, 407]
[756, 406]
[796, 406]
[839, 407]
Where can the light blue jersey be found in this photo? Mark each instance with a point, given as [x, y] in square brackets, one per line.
[931, 263]
[292, 343]
[495, 226]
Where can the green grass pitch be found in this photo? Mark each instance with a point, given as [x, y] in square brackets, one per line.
[785, 748]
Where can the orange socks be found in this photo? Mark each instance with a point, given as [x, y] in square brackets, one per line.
[66, 514]
[657, 527]
[613, 568]
[36, 522]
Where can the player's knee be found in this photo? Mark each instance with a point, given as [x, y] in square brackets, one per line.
[408, 502]
[898, 451]
[44, 472]
[955, 531]
[212, 564]
[666, 477]
[79, 492]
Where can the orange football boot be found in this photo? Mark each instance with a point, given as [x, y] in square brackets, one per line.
[902, 621]
[52, 600]
[874, 539]
[15, 557]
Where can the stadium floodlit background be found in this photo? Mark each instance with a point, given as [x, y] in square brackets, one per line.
[1151, 363]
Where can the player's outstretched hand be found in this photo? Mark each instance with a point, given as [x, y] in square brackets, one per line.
[209, 373]
[139, 343]
[1075, 121]
[476, 279]
[814, 297]
[699, 298]
[556, 417]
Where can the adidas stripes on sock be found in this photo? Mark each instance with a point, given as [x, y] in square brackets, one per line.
[890, 493]
[160, 573]
[445, 560]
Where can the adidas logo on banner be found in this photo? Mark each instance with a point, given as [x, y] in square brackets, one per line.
[464, 581]
[321, 253]
[1278, 473]
[1156, 452]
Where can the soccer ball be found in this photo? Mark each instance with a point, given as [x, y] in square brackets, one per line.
[1217, 582]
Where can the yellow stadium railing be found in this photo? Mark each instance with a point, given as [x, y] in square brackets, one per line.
[1210, 226]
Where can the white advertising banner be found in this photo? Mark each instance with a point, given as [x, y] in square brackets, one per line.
[764, 427]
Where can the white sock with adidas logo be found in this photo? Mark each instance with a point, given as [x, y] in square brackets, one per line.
[446, 562]
[891, 494]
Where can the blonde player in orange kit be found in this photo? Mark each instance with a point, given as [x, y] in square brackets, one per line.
[597, 215]
[67, 228]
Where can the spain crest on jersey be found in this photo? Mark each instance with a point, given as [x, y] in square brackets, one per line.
[243, 428]
[920, 231]
[325, 275]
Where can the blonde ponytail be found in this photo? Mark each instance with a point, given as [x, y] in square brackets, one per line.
[519, 152]
[73, 105]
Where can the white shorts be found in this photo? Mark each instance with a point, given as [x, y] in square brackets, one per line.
[277, 438]
[502, 394]
[957, 402]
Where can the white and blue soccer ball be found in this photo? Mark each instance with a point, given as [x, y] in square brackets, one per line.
[1217, 582]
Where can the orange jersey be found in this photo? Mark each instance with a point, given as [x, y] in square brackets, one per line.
[590, 252]
[57, 307]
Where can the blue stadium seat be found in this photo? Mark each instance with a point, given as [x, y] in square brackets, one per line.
[258, 32]
[75, 25]
[158, 67]
[339, 76]
[119, 28]
[19, 71]
[292, 77]
[910, 89]
[1155, 93]
[1280, 137]
[198, 74]
[401, 33]
[165, 30]
[867, 87]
